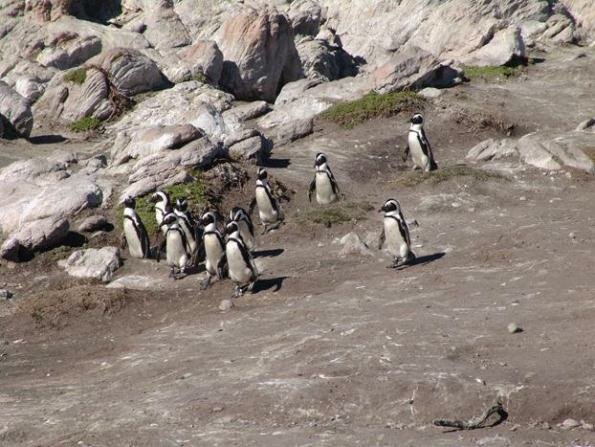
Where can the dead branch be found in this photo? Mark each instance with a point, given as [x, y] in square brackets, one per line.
[476, 422]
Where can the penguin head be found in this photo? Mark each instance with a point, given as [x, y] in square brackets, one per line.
[231, 227]
[320, 159]
[390, 205]
[160, 196]
[182, 204]
[169, 219]
[235, 213]
[129, 202]
[208, 218]
[418, 118]
[262, 174]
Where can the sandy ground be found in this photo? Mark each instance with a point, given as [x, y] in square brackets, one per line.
[338, 351]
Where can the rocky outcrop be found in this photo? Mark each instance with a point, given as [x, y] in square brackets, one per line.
[321, 60]
[15, 112]
[306, 16]
[67, 50]
[204, 58]
[583, 12]
[259, 52]
[505, 48]
[93, 263]
[164, 29]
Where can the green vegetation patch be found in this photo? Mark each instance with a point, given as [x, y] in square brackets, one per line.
[336, 213]
[374, 105]
[77, 76]
[85, 124]
[490, 73]
[200, 77]
[411, 179]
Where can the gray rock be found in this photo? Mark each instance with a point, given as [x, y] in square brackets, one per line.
[321, 60]
[29, 89]
[492, 149]
[244, 112]
[15, 111]
[430, 92]
[586, 126]
[550, 152]
[570, 424]
[507, 46]
[250, 149]
[292, 131]
[224, 306]
[71, 52]
[306, 17]
[513, 328]
[353, 245]
[134, 282]
[35, 235]
[204, 57]
[164, 29]
[93, 223]
[93, 263]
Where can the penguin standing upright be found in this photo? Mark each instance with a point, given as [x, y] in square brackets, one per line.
[324, 183]
[162, 207]
[239, 215]
[176, 245]
[187, 223]
[269, 211]
[396, 233]
[135, 234]
[242, 270]
[214, 249]
[419, 146]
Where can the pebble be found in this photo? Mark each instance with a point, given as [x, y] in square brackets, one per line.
[217, 409]
[572, 235]
[5, 294]
[225, 305]
[570, 423]
[514, 328]
[587, 426]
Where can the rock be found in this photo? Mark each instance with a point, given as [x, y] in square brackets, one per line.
[250, 149]
[131, 71]
[29, 89]
[292, 131]
[513, 328]
[5, 294]
[224, 306]
[259, 53]
[586, 426]
[551, 152]
[163, 27]
[35, 235]
[94, 223]
[586, 126]
[320, 60]
[204, 57]
[560, 29]
[353, 245]
[92, 263]
[493, 150]
[134, 282]
[305, 17]
[69, 50]
[583, 13]
[15, 112]
[430, 92]
[569, 424]
[245, 112]
[506, 47]
[293, 91]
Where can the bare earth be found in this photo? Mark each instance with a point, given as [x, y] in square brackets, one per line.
[340, 351]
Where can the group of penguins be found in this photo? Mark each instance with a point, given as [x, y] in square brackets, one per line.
[227, 251]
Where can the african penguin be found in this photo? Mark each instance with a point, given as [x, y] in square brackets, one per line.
[162, 207]
[135, 234]
[187, 223]
[239, 215]
[419, 146]
[396, 233]
[324, 183]
[242, 270]
[269, 211]
[176, 245]
[214, 244]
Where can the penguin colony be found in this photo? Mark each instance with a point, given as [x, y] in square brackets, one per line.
[226, 247]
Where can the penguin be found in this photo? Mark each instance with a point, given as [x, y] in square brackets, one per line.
[215, 262]
[269, 211]
[239, 215]
[134, 234]
[176, 245]
[396, 233]
[162, 207]
[187, 223]
[242, 270]
[324, 183]
[419, 146]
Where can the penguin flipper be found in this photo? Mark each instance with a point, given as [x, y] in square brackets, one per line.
[123, 241]
[381, 239]
[405, 155]
[158, 245]
[311, 189]
[222, 266]
[252, 206]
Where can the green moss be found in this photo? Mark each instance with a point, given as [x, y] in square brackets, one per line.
[490, 73]
[336, 213]
[351, 113]
[85, 124]
[200, 77]
[77, 76]
[411, 179]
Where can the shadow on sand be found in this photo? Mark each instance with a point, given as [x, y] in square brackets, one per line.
[263, 285]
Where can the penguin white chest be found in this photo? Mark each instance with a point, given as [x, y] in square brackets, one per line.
[213, 251]
[239, 272]
[266, 211]
[417, 153]
[175, 250]
[397, 246]
[324, 189]
[135, 246]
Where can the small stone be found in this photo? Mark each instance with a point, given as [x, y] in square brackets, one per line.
[571, 235]
[5, 294]
[513, 328]
[569, 424]
[515, 427]
[225, 305]
[94, 223]
[522, 198]
[586, 426]
[217, 409]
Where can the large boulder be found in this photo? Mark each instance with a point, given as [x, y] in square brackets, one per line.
[40, 234]
[204, 58]
[164, 29]
[306, 16]
[505, 48]
[259, 52]
[583, 12]
[93, 263]
[15, 112]
[321, 60]
[67, 50]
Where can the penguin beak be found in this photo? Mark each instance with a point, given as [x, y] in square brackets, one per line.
[381, 210]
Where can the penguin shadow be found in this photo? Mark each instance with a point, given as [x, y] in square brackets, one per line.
[422, 260]
[276, 163]
[47, 139]
[269, 284]
[267, 253]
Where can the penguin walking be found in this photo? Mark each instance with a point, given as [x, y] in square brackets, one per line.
[242, 270]
[396, 233]
[269, 211]
[162, 207]
[176, 246]
[419, 146]
[188, 224]
[135, 234]
[215, 261]
[239, 215]
[324, 183]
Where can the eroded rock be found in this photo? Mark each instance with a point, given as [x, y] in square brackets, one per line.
[15, 112]
[93, 263]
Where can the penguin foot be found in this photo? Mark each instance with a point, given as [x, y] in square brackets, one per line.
[172, 274]
[237, 292]
[250, 287]
[272, 227]
[206, 283]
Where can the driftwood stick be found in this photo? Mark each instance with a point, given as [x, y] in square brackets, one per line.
[476, 422]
